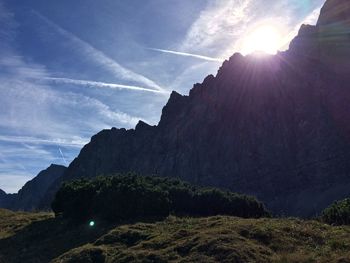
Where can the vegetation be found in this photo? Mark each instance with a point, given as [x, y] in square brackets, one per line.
[39, 237]
[13, 222]
[338, 213]
[42, 238]
[219, 239]
[127, 197]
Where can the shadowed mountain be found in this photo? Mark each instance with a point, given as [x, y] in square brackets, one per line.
[2, 197]
[277, 127]
[30, 195]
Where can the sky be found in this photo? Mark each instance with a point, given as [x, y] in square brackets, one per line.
[69, 69]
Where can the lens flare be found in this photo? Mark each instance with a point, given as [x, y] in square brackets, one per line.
[264, 38]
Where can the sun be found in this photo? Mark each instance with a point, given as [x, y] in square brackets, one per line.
[263, 38]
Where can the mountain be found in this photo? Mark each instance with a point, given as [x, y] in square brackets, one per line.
[2, 196]
[6, 199]
[277, 127]
[30, 195]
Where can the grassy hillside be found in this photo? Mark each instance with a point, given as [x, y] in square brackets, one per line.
[27, 237]
[13, 222]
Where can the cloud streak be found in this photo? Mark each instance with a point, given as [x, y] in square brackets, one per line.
[64, 159]
[310, 19]
[219, 23]
[185, 54]
[98, 84]
[99, 57]
[76, 142]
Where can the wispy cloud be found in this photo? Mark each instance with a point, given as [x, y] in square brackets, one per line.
[98, 84]
[74, 142]
[187, 54]
[222, 26]
[99, 57]
[310, 19]
[64, 159]
[219, 23]
[11, 182]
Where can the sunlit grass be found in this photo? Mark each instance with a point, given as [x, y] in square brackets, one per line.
[211, 239]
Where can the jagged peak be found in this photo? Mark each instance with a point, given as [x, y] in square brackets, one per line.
[306, 30]
[53, 165]
[175, 95]
[141, 126]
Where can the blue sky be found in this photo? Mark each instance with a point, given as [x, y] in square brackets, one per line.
[69, 69]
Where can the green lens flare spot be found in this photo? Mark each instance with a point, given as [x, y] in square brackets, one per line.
[91, 223]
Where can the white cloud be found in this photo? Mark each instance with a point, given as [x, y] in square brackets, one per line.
[98, 84]
[63, 158]
[187, 54]
[99, 57]
[223, 25]
[10, 182]
[310, 19]
[220, 22]
[76, 142]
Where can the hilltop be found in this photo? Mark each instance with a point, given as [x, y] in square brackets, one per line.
[40, 238]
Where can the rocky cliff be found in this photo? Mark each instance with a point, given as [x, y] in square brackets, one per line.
[30, 195]
[277, 127]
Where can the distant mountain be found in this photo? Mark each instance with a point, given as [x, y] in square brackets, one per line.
[277, 127]
[2, 197]
[30, 195]
[6, 199]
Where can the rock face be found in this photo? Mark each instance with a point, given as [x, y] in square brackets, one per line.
[277, 127]
[334, 12]
[29, 197]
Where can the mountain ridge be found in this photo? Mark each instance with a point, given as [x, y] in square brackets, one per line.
[30, 195]
[272, 126]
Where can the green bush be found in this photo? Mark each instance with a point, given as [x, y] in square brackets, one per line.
[338, 213]
[126, 197]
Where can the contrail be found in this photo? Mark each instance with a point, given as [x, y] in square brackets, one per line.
[101, 58]
[99, 84]
[187, 54]
[76, 143]
[64, 159]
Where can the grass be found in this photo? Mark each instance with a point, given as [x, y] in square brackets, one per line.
[13, 222]
[212, 239]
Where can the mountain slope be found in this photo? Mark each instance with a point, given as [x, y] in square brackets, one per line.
[218, 239]
[277, 127]
[212, 239]
[2, 197]
[30, 195]
[2, 194]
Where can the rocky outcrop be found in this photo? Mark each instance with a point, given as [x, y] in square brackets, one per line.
[31, 194]
[277, 127]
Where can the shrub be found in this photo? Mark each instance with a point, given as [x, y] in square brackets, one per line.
[338, 213]
[126, 197]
